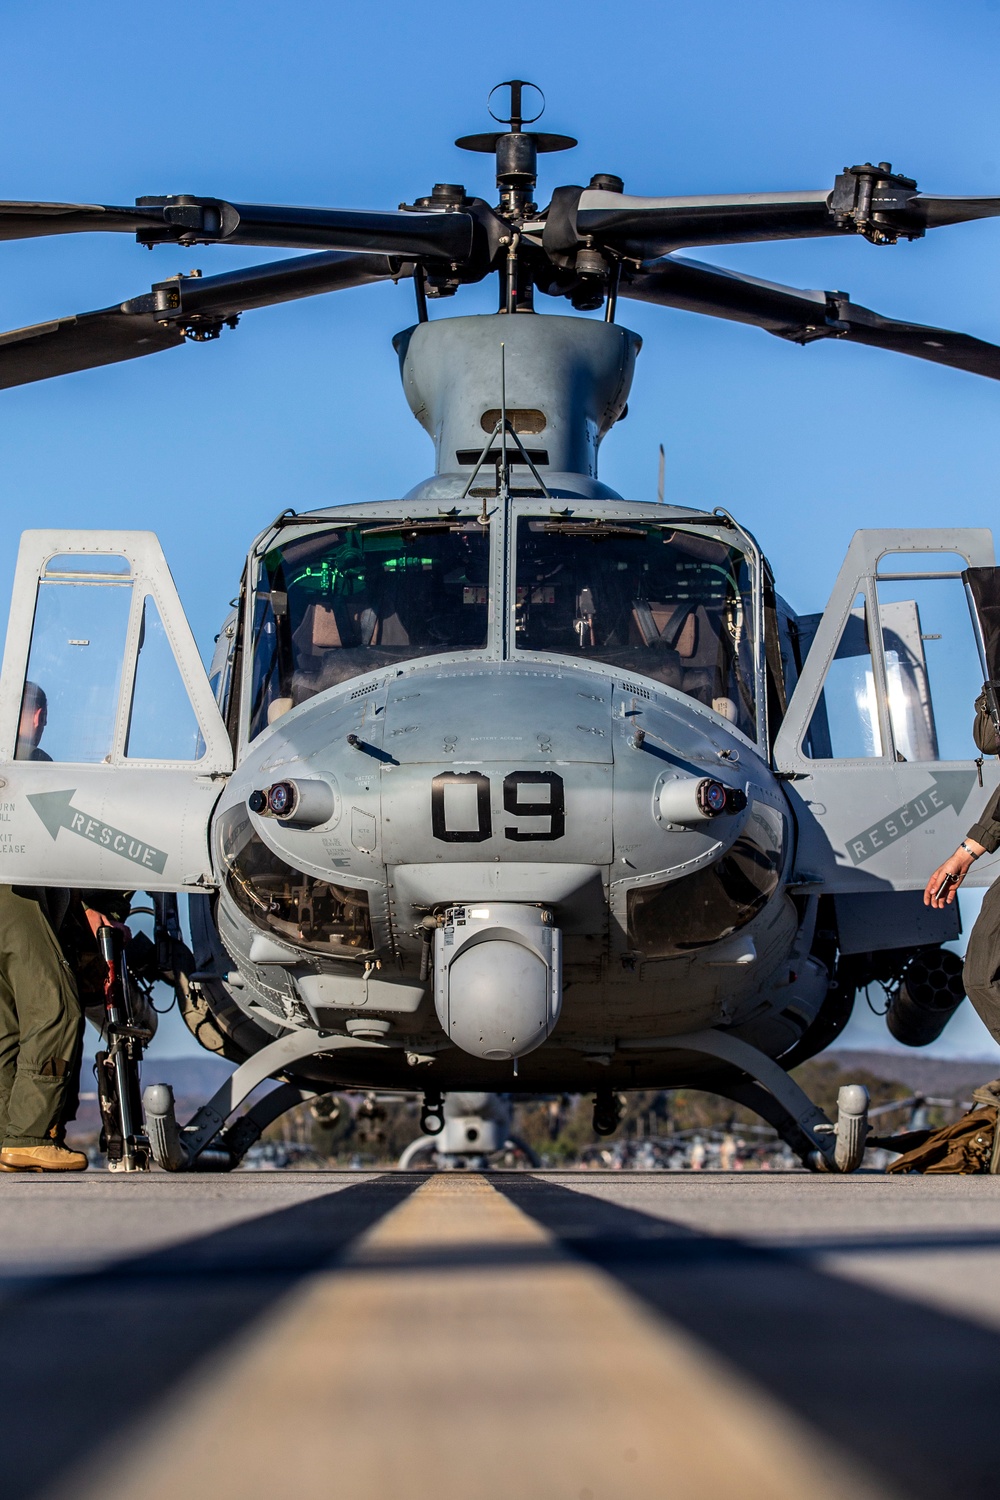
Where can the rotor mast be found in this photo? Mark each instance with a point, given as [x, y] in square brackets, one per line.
[516, 153]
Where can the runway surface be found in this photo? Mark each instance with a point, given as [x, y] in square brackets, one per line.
[542, 1336]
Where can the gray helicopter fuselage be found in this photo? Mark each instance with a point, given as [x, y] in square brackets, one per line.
[424, 771]
[493, 860]
[512, 777]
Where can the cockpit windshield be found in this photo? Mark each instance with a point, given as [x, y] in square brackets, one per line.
[334, 604]
[669, 604]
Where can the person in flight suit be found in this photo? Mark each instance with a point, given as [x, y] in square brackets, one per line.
[981, 973]
[41, 1018]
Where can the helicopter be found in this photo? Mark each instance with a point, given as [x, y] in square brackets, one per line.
[509, 783]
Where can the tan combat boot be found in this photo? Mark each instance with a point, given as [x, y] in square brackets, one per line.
[47, 1158]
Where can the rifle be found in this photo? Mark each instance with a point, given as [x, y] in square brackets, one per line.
[122, 1136]
[993, 705]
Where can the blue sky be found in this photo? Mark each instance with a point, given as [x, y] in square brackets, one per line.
[357, 107]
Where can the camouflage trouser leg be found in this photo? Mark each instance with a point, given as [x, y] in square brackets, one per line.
[982, 962]
[41, 1026]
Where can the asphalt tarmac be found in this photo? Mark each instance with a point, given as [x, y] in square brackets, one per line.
[537, 1336]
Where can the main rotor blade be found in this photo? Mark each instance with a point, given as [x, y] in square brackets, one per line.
[186, 307]
[801, 316]
[81, 343]
[444, 236]
[23, 221]
[934, 211]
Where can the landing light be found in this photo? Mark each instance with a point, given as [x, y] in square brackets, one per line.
[277, 800]
[281, 799]
[297, 804]
[686, 800]
[711, 797]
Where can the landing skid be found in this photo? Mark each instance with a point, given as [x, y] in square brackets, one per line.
[207, 1142]
[768, 1090]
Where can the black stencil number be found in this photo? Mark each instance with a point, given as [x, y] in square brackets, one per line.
[518, 801]
[439, 809]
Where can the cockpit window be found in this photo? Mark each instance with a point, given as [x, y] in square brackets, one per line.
[334, 604]
[669, 604]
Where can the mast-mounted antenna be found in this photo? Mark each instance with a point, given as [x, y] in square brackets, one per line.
[516, 151]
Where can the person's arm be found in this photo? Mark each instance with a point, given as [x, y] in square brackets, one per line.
[986, 832]
[943, 884]
[97, 919]
[983, 838]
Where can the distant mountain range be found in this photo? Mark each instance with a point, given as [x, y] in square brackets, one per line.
[189, 1076]
[941, 1077]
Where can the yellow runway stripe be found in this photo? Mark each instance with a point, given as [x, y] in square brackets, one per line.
[459, 1354]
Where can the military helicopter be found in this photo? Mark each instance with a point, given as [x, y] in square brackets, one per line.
[510, 782]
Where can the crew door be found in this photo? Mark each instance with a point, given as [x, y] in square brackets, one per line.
[876, 746]
[112, 749]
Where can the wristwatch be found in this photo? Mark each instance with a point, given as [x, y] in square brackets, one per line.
[970, 852]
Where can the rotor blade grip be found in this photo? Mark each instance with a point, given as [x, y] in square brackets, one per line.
[695, 287]
[283, 281]
[415, 236]
[653, 226]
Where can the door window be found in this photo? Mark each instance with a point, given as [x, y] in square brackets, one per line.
[932, 666]
[932, 669]
[93, 620]
[69, 705]
[162, 725]
[845, 723]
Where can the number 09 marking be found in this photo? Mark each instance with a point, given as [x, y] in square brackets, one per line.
[439, 810]
[553, 808]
